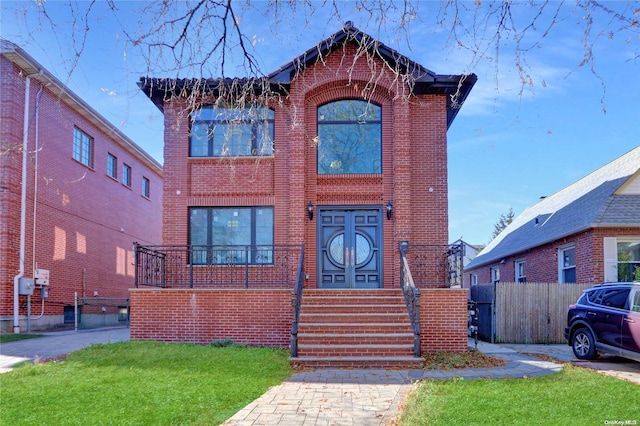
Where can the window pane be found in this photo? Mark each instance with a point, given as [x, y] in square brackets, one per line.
[199, 140]
[232, 132]
[232, 140]
[264, 226]
[569, 257]
[112, 166]
[628, 261]
[349, 138]
[569, 275]
[231, 227]
[198, 235]
[82, 147]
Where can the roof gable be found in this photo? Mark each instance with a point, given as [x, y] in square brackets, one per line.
[425, 81]
[608, 197]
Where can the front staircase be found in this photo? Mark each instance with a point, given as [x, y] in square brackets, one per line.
[355, 328]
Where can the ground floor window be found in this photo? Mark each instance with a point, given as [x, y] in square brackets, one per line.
[567, 264]
[628, 260]
[495, 275]
[231, 235]
[521, 276]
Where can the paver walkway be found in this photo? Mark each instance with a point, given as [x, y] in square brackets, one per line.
[363, 396]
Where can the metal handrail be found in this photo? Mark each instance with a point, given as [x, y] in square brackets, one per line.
[411, 298]
[296, 304]
[219, 266]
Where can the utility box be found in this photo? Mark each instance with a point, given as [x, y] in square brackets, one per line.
[41, 276]
[26, 286]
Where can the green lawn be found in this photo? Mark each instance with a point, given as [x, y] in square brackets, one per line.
[6, 338]
[152, 383]
[138, 383]
[574, 396]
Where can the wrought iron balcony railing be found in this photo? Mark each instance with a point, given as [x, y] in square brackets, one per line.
[194, 266]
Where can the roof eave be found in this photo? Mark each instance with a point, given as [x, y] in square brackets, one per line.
[34, 70]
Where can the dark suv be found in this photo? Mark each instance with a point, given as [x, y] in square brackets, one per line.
[606, 318]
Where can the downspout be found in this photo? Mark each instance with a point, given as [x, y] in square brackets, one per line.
[35, 203]
[23, 213]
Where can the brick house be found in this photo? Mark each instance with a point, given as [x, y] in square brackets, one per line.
[75, 194]
[341, 153]
[588, 232]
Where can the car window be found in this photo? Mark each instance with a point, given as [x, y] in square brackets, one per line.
[615, 298]
[596, 296]
[635, 306]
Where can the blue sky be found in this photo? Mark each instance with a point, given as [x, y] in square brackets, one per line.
[508, 146]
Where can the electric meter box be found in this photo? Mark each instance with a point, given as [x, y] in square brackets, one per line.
[26, 286]
[41, 276]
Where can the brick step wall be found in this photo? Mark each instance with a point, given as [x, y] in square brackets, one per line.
[355, 328]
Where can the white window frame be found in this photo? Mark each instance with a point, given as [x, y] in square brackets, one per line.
[520, 271]
[495, 274]
[611, 256]
[561, 263]
[474, 279]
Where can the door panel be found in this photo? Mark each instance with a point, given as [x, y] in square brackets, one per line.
[349, 248]
[631, 324]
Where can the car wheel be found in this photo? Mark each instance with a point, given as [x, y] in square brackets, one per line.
[583, 344]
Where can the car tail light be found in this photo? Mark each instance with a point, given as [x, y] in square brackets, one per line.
[572, 306]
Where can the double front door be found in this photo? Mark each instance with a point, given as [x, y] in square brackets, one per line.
[349, 247]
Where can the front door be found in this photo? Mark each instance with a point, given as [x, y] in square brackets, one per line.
[349, 247]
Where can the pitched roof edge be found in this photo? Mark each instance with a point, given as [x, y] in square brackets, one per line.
[35, 70]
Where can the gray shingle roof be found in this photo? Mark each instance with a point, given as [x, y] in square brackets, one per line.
[588, 203]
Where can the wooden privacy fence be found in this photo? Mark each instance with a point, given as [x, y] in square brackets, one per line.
[525, 312]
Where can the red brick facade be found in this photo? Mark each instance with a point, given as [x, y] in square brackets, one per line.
[413, 178]
[205, 316]
[542, 262]
[80, 223]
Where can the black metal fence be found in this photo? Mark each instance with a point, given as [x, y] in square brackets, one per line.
[217, 266]
[434, 265]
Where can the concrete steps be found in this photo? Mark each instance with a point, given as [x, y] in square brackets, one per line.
[354, 328]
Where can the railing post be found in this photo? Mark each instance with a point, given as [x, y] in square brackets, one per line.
[190, 254]
[417, 350]
[294, 326]
[246, 266]
[136, 259]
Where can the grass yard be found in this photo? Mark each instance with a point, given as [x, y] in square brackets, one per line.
[575, 396]
[137, 383]
[6, 338]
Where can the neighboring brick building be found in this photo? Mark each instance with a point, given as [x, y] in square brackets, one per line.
[343, 150]
[86, 195]
[588, 232]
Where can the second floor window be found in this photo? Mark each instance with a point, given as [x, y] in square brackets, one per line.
[126, 175]
[82, 147]
[112, 166]
[146, 187]
[231, 132]
[349, 138]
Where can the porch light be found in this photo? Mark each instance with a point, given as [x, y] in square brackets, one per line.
[389, 210]
[310, 210]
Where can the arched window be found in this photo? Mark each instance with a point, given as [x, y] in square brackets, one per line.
[349, 137]
[231, 132]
